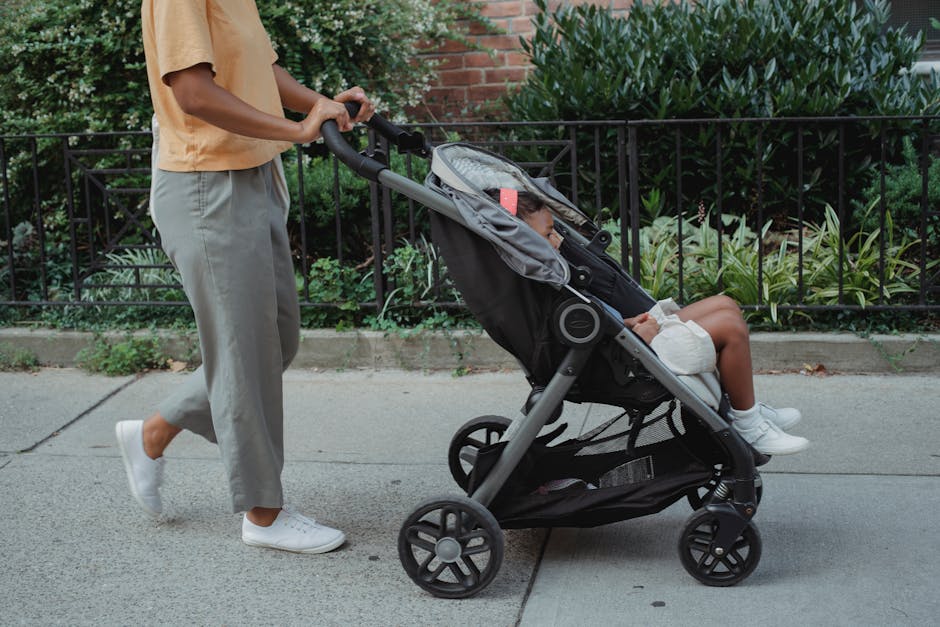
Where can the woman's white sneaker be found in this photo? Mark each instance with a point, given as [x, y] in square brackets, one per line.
[292, 531]
[144, 475]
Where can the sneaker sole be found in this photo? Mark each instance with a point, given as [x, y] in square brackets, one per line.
[325, 548]
[786, 451]
[118, 428]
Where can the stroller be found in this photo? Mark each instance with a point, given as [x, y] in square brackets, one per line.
[669, 441]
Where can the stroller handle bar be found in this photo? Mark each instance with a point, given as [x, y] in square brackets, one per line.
[364, 165]
[376, 171]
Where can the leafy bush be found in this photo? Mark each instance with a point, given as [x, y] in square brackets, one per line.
[339, 289]
[116, 358]
[413, 272]
[737, 275]
[902, 197]
[349, 201]
[720, 58]
[78, 66]
[728, 59]
[17, 359]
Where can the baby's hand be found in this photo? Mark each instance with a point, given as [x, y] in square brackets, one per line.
[647, 329]
[635, 320]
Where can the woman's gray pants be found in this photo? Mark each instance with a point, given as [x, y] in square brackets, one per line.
[225, 233]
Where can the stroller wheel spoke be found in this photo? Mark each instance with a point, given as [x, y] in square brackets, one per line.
[417, 541]
[477, 549]
[734, 561]
[472, 569]
[430, 576]
[426, 528]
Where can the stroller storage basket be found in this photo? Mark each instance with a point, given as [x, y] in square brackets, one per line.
[630, 466]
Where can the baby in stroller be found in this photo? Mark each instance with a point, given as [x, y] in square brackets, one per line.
[690, 340]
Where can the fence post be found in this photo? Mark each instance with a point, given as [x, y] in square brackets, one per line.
[8, 213]
[634, 202]
[70, 204]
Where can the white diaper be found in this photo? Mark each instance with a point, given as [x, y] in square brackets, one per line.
[685, 347]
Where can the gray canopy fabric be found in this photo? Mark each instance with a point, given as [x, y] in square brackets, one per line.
[462, 172]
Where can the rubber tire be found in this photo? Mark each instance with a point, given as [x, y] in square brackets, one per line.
[477, 534]
[694, 551]
[491, 425]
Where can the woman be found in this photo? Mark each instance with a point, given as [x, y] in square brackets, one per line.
[219, 202]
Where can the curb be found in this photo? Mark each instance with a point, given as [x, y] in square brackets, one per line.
[475, 350]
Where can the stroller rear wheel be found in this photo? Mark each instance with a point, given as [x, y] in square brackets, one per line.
[451, 546]
[474, 435]
[709, 563]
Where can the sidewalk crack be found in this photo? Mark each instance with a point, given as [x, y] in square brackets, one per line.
[71, 422]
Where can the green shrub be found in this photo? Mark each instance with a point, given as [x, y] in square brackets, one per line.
[116, 358]
[725, 59]
[902, 197]
[73, 66]
[737, 275]
[720, 58]
[17, 359]
[413, 272]
[349, 202]
[337, 289]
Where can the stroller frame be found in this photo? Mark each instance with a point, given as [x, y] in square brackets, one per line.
[725, 516]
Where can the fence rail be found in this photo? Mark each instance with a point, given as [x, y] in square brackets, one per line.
[76, 228]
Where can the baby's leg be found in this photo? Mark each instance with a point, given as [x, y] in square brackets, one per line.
[732, 344]
[710, 305]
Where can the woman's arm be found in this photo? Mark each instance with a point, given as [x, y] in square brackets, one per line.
[199, 95]
[297, 97]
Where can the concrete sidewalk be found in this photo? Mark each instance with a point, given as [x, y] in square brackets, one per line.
[848, 527]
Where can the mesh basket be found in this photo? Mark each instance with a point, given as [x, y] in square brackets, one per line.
[634, 464]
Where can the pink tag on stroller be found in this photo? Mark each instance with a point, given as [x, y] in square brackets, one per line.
[509, 199]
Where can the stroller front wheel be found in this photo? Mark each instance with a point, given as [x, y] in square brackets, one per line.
[710, 564]
[451, 546]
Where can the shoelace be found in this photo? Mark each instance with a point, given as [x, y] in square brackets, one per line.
[298, 521]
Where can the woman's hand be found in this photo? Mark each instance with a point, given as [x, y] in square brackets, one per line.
[324, 109]
[356, 94]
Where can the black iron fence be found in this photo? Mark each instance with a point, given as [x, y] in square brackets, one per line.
[797, 213]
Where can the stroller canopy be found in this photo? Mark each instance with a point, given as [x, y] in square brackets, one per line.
[462, 172]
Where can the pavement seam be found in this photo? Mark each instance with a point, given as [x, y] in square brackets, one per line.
[95, 406]
[535, 574]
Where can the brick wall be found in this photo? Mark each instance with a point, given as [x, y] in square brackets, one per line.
[470, 82]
